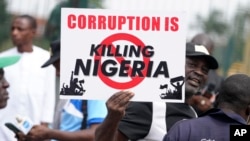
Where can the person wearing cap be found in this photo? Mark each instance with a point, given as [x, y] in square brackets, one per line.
[32, 88]
[4, 84]
[204, 100]
[233, 109]
[150, 121]
[55, 61]
[75, 120]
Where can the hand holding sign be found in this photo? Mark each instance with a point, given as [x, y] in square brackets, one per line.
[117, 104]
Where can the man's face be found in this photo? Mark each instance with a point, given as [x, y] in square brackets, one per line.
[196, 70]
[3, 92]
[21, 32]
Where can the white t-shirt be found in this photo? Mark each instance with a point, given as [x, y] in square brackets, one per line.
[31, 92]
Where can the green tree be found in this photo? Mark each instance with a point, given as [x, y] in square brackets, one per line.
[218, 29]
[236, 43]
[235, 33]
[213, 24]
[53, 26]
[4, 23]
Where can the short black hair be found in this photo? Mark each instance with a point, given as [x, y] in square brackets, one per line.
[235, 91]
[32, 20]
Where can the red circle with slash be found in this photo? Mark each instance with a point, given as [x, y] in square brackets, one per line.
[134, 80]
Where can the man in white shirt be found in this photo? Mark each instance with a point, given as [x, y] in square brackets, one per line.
[32, 88]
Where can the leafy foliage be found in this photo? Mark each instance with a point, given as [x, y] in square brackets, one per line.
[4, 23]
[213, 24]
[52, 31]
[233, 34]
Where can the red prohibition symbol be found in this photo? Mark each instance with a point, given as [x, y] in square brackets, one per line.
[134, 80]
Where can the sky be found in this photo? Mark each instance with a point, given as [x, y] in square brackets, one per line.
[191, 7]
[42, 8]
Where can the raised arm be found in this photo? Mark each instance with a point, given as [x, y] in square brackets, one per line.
[116, 105]
[39, 132]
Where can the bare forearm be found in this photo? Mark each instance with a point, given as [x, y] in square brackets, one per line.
[86, 135]
[108, 130]
[39, 132]
[46, 125]
[116, 105]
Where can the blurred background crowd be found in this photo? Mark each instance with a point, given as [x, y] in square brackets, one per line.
[227, 22]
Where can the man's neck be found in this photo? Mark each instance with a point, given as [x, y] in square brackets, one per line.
[228, 108]
[25, 48]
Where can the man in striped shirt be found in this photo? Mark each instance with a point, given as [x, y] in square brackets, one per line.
[150, 121]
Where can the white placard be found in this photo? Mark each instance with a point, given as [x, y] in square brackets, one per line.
[104, 51]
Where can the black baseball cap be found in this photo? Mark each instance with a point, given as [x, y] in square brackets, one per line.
[193, 50]
[55, 48]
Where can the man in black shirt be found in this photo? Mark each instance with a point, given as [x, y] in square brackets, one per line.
[150, 121]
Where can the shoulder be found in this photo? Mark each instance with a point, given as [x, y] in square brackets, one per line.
[40, 51]
[93, 104]
[139, 109]
[139, 106]
[181, 110]
[11, 51]
[182, 127]
[179, 131]
[137, 120]
[187, 124]
[94, 114]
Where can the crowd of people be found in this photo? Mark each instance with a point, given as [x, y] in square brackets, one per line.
[28, 81]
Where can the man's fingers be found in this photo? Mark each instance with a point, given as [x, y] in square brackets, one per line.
[126, 98]
[121, 96]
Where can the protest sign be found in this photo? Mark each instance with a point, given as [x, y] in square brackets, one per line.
[104, 51]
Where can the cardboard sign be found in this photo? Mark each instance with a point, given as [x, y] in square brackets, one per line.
[104, 51]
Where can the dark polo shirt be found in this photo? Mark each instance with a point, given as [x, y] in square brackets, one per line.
[147, 121]
[213, 126]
